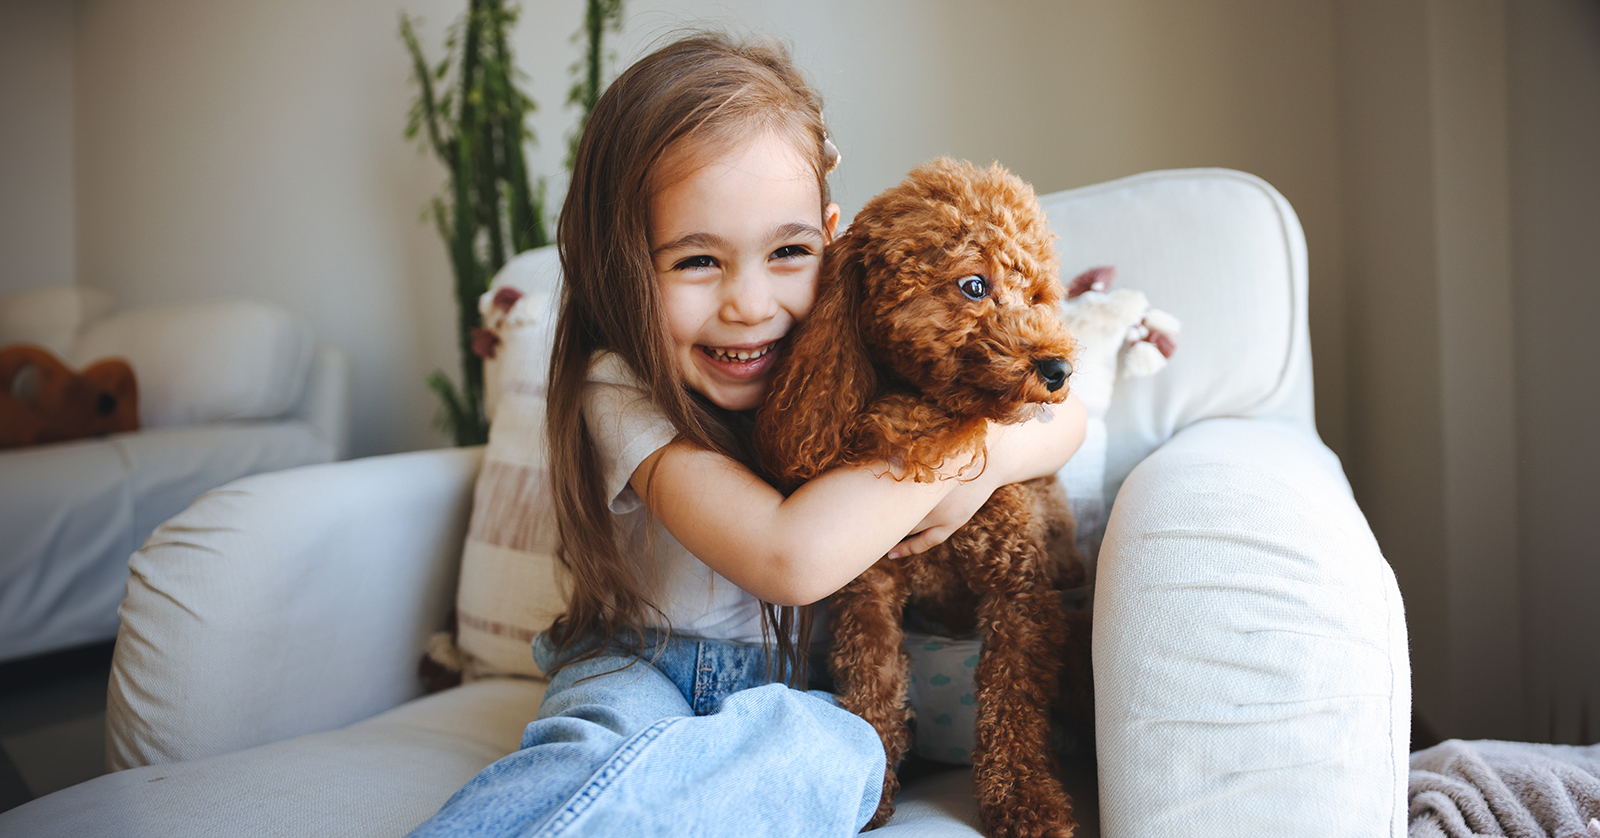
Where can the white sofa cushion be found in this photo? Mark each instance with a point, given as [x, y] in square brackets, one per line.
[205, 361]
[51, 317]
[1250, 660]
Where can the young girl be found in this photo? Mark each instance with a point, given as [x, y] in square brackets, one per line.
[690, 244]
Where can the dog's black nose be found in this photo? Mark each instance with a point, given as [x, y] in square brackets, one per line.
[1054, 371]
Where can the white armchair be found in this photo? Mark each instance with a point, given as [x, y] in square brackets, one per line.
[1250, 650]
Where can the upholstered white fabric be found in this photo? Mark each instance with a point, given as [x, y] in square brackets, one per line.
[73, 512]
[382, 776]
[325, 404]
[284, 604]
[207, 361]
[1250, 657]
[51, 317]
[1251, 672]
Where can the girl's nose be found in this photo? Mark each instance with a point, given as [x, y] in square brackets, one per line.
[747, 298]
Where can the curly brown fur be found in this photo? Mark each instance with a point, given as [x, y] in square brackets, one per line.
[896, 363]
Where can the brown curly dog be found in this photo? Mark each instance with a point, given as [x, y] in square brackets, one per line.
[936, 312]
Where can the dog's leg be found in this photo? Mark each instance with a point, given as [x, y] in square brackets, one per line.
[871, 667]
[1014, 764]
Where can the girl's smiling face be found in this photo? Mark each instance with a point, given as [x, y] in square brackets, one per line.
[736, 244]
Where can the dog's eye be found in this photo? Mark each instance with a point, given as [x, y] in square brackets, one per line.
[975, 287]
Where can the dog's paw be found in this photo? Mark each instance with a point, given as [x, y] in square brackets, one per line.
[1025, 825]
[1036, 813]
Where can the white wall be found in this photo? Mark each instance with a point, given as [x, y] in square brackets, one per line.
[236, 148]
[254, 149]
[36, 178]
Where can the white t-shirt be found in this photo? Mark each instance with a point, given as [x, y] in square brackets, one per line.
[628, 427]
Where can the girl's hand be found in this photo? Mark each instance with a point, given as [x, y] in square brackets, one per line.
[950, 515]
[1014, 453]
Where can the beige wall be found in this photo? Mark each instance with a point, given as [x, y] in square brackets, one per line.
[36, 177]
[1554, 61]
[1472, 201]
[1425, 175]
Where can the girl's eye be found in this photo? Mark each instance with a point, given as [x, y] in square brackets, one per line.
[975, 287]
[790, 251]
[701, 261]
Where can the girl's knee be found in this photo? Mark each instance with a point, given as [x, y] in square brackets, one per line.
[803, 716]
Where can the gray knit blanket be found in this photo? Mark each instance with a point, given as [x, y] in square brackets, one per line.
[1515, 789]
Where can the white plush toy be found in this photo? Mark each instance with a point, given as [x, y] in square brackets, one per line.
[1117, 331]
[1119, 336]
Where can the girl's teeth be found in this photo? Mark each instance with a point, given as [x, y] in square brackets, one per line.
[740, 355]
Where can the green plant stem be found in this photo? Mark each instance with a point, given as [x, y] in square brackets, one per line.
[490, 210]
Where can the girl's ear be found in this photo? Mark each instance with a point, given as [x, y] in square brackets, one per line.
[824, 382]
[830, 222]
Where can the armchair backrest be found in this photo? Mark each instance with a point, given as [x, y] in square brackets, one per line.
[206, 361]
[1223, 252]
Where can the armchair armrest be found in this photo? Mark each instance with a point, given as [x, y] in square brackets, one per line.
[1251, 672]
[286, 603]
[326, 401]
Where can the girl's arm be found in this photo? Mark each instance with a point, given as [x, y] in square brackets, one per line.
[799, 549]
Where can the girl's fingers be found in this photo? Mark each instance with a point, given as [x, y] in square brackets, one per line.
[919, 542]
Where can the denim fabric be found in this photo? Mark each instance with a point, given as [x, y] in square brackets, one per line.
[689, 741]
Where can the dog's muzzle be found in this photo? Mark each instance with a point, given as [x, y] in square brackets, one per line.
[1054, 372]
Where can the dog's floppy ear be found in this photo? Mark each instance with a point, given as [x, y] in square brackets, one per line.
[825, 380]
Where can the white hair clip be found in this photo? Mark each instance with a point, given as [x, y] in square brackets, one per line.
[830, 151]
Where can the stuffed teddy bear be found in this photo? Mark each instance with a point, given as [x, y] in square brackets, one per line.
[42, 400]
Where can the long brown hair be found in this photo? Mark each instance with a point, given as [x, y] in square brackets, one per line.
[694, 98]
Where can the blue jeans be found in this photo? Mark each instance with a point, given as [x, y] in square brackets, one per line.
[692, 741]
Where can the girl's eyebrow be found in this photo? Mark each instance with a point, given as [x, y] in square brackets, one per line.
[709, 241]
[692, 241]
[797, 230]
